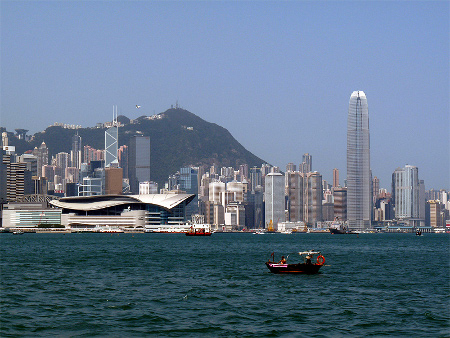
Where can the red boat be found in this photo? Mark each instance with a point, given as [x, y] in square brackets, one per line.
[198, 232]
[306, 266]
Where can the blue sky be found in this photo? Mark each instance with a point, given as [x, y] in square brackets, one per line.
[277, 74]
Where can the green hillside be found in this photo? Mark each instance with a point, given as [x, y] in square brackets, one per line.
[178, 138]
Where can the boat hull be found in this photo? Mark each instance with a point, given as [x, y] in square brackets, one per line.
[198, 234]
[301, 268]
[341, 232]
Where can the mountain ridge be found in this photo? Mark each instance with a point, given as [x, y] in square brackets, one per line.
[178, 138]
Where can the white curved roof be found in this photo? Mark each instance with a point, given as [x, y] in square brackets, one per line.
[87, 203]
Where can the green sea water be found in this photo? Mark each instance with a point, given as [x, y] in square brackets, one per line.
[171, 285]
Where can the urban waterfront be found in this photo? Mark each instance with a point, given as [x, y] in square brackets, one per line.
[172, 285]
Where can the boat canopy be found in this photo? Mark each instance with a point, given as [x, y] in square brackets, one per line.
[310, 253]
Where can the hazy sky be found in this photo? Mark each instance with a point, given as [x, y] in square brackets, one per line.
[277, 74]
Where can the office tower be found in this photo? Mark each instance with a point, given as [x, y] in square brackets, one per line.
[335, 178]
[72, 174]
[435, 211]
[18, 181]
[274, 198]
[188, 181]
[294, 192]
[113, 181]
[31, 162]
[306, 165]
[255, 178]
[138, 161]
[406, 185]
[62, 161]
[312, 198]
[375, 188]
[75, 154]
[4, 161]
[123, 159]
[42, 157]
[111, 146]
[359, 195]
[340, 203]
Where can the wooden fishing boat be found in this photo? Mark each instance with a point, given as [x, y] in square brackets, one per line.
[305, 266]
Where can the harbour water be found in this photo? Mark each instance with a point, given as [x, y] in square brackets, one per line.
[134, 285]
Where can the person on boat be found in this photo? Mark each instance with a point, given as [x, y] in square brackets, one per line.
[308, 259]
[283, 260]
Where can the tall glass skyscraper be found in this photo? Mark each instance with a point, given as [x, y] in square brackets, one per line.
[359, 194]
[138, 162]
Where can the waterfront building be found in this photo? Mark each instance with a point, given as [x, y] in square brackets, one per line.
[138, 161]
[155, 212]
[434, 212]
[359, 194]
[274, 199]
[29, 215]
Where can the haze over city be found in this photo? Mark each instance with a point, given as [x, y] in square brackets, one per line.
[277, 75]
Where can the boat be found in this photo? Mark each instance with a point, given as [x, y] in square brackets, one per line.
[339, 228]
[198, 232]
[198, 226]
[418, 232]
[306, 266]
[18, 232]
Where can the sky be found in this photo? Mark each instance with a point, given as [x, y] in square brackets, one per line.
[277, 74]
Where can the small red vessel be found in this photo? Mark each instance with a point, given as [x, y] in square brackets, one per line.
[198, 232]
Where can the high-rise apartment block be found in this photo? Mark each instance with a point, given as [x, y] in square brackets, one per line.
[359, 181]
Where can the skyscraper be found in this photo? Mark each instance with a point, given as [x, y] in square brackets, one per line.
[407, 187]
[75, 154]
[359, 195]
[274, 198]
[138, 162]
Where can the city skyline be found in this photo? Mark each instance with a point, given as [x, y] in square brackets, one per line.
[276, 75]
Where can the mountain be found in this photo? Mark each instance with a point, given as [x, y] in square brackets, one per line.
[178, 138]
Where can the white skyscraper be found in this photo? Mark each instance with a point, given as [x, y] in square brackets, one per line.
[407, 191]
[359, 194]
[274, 198]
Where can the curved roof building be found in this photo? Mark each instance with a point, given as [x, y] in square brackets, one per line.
[154, 211]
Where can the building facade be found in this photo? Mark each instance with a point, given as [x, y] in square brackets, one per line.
[359, 194]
